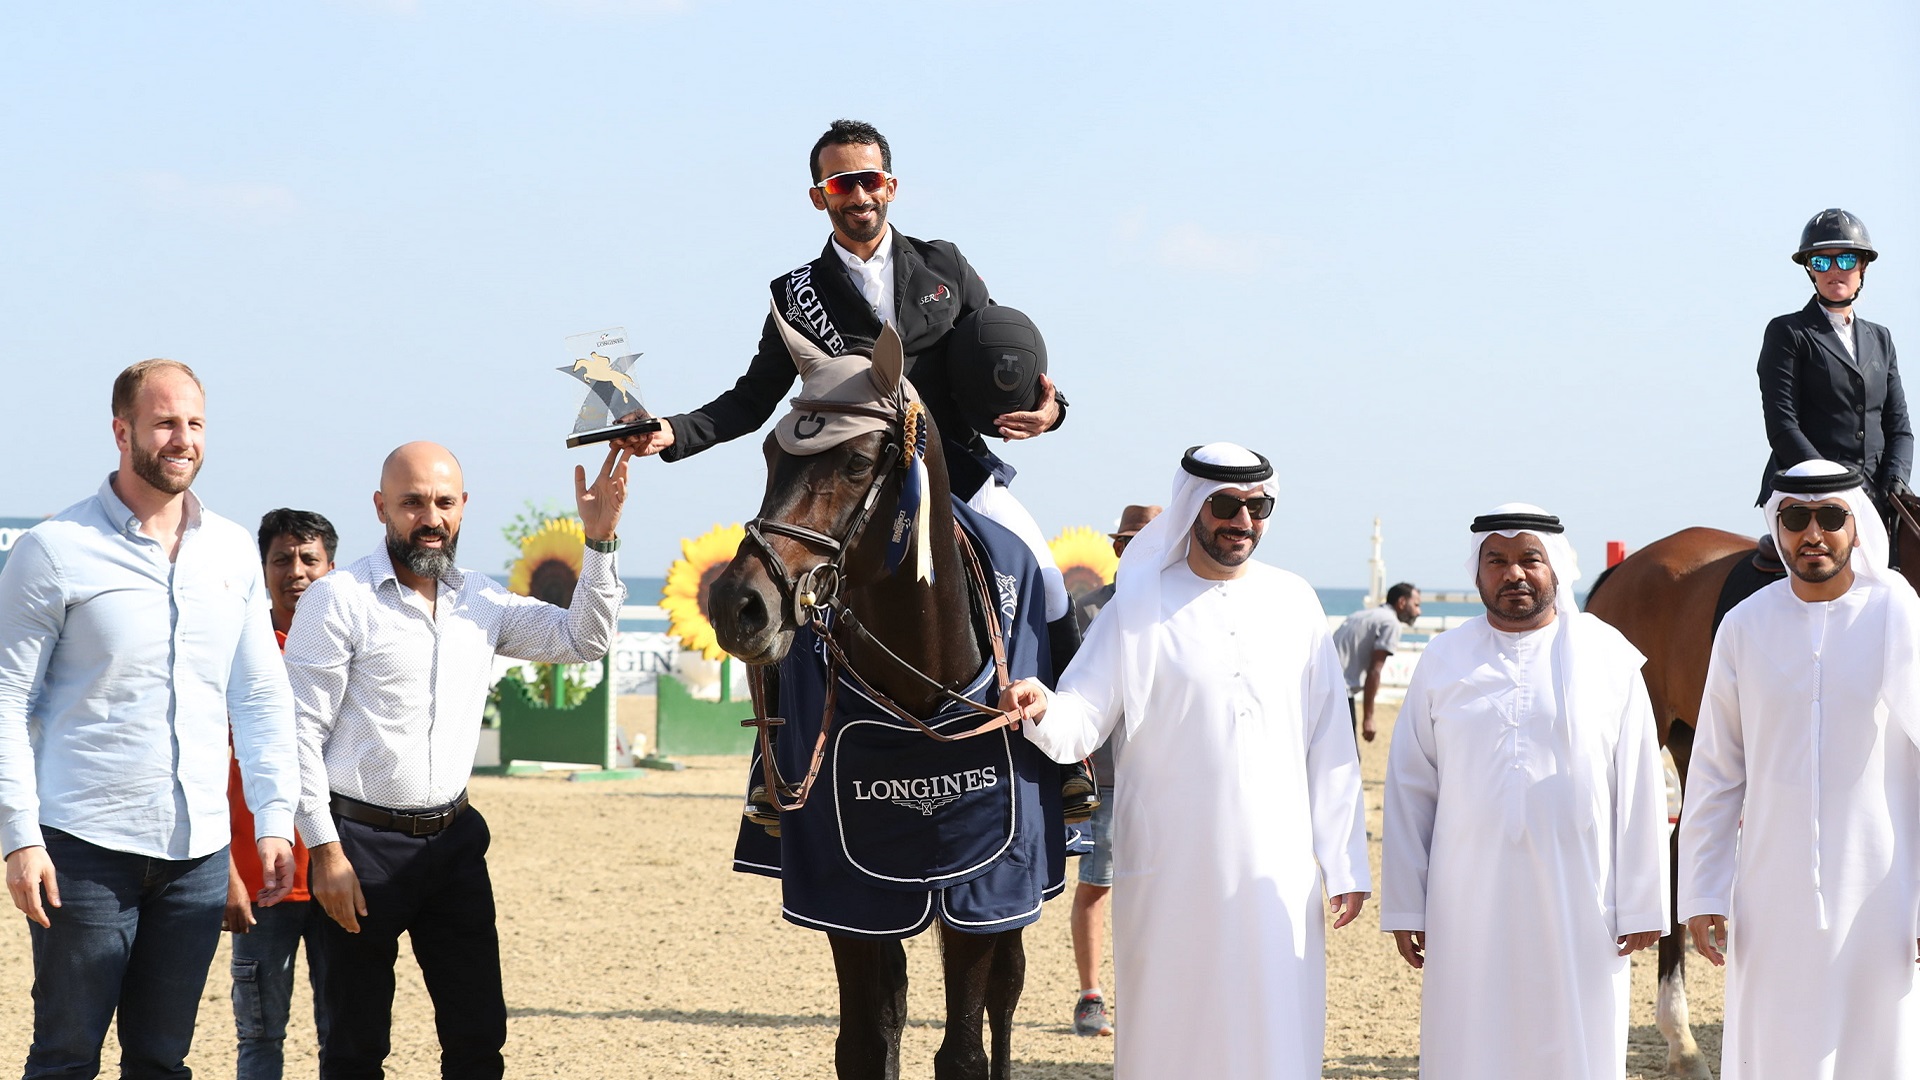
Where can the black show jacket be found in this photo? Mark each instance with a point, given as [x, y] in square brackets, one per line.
[933, 286]
[1820, 402]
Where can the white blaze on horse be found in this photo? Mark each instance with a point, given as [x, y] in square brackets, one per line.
[881, 619]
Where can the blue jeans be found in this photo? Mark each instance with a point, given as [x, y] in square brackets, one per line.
[1096, 867]
[133, 934]
[263, 983]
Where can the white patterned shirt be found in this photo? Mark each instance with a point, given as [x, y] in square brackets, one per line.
[388, 690]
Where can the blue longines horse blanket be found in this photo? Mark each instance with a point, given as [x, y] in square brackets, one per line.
[900, 828]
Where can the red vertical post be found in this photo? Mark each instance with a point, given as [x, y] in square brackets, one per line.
[1616, 550]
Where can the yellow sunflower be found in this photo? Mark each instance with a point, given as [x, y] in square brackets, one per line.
[1086, 559]
[549, 563]
[688, 581]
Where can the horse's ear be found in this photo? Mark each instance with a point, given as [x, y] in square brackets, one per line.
[804, 352]
[889, 361]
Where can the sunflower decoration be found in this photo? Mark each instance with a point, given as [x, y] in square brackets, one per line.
[550, 560]
[690, 580]
[1085, 558]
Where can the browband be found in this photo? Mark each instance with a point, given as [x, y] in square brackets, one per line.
[1229, 474]
[1534, 523]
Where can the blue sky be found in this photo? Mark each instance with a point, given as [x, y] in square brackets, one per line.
[1427, 257]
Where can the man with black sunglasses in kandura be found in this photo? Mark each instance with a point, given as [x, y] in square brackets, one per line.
[1829, 383]
[1803, 800]
[869, 275]
[1237, 799]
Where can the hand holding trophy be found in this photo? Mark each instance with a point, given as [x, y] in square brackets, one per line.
[613, 409]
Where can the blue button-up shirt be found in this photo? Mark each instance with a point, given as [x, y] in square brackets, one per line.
[119, 671]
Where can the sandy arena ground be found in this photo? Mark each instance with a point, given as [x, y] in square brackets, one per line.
[633, 951]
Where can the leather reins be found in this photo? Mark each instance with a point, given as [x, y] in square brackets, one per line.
[813, 595]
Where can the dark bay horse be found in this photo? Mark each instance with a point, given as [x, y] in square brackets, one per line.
[1662, 598]
[818, 553]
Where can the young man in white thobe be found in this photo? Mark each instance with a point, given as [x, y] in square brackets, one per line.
[1526, 813]
[1806, 732]
[1237, 786]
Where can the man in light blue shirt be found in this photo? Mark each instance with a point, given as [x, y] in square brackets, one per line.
[133, 625]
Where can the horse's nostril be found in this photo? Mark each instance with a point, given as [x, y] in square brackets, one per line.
[751, 612]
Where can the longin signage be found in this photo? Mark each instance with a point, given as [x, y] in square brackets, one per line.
[926, 793]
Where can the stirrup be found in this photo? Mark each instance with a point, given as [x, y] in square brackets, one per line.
[760, 810]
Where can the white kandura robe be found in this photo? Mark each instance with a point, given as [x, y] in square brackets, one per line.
[1819, 884]
[1236, 796]
[1525, 837]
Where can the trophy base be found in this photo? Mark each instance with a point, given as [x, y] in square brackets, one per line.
[617, 431]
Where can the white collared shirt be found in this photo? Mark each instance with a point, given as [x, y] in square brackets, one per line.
[388, 690]
[120, 673]
[1843, 325]
[873, 277]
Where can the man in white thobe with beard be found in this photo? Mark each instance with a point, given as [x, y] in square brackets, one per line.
[1526, 822]
[1237, 786]
[1806, 731]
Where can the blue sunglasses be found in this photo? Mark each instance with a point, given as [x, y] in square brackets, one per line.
[1820, 264]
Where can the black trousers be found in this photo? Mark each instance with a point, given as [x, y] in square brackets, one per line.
[436, 889]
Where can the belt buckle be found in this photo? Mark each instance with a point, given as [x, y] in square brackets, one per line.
[428, 824]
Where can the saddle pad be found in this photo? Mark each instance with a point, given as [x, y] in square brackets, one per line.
[910, 811]
[1743, 581]
[968, 832]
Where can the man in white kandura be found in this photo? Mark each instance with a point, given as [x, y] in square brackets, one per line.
[1237, 795]
[1526, 822]
[1806, 732]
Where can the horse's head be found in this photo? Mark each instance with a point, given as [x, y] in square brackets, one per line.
[834, 463]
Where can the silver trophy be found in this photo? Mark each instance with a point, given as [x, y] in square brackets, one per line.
[601, 360]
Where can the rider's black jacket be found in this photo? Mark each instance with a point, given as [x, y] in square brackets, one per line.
[933, 287]
[1821, 402]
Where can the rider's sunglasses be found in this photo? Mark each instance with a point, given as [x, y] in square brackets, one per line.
[1831, 518]
[843, 183]
[1225, 506]
[1846, 260]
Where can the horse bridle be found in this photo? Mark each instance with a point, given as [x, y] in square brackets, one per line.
[813, 595]
[816, 590]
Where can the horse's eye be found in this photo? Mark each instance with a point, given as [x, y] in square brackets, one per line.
[859, 466]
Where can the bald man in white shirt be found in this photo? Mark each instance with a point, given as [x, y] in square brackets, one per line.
[391, 659]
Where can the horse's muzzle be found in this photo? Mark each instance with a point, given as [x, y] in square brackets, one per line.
[748, 618]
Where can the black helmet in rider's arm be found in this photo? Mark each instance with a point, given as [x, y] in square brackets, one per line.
[995, 357]
[1834, 229]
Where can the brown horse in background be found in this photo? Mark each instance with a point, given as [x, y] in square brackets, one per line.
[1662, 598]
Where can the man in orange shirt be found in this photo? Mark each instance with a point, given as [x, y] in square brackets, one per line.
[296, 549]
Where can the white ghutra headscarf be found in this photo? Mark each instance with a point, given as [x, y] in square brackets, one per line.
[1512, 519]
[1163, 542]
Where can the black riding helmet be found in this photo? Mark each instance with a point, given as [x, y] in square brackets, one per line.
[1835, 229]
[995, 357]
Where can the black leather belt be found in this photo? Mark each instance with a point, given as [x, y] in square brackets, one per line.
[410, 822]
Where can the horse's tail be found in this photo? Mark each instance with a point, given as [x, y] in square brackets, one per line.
[1594, 589]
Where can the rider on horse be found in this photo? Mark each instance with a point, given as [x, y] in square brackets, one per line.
[980, 368]
[961, 354]
[1829, 383]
